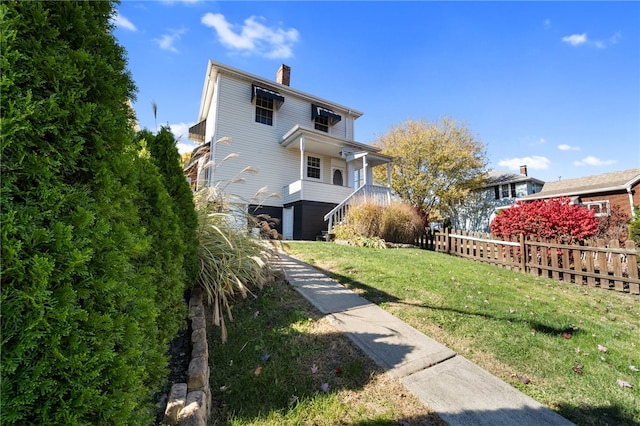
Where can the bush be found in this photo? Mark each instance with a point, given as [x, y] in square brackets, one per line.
[89, 269]
[554, 219]
[164, 154]
[398, 223]
[401, 223]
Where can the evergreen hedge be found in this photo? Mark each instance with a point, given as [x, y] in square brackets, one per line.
[91, 258]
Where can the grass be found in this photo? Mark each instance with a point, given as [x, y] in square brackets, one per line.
[279, 354]
[567, 346]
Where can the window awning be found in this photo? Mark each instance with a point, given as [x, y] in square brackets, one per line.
[266, 93]
[196, 133]
[318, 111]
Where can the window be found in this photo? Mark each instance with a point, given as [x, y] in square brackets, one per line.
[322, 123]
[266, 101]
[323, 118]
[505, 191]
[313, 167]
[600, 208]
[337, 177]
[264, 110]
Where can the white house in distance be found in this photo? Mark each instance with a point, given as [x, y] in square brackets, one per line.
[501, 190]
[301, 145]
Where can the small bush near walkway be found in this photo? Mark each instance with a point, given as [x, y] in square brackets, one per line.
[367, 222]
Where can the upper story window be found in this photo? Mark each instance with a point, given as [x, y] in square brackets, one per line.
[323, 118]
[505, 191]
[266, 102]
[313, 167]
[321, 123]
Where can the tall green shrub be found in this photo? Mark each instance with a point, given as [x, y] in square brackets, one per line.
[82, 216]
[165, 155]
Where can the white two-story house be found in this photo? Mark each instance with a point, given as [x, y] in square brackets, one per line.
[302, 148]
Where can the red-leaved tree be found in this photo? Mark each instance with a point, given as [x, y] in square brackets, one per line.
[555, 219]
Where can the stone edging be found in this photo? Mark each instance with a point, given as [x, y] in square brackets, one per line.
[189, 404]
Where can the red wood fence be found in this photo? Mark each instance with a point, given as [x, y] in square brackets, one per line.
[595, 264]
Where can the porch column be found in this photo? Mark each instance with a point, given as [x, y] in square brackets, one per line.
[364, 168]
[388, 175]
[301, 157]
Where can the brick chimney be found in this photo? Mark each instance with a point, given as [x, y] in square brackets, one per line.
[284, 75]
[523, 170]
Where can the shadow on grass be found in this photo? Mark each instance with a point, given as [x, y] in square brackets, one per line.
[281, 362]
[378, 297]
[598, 416]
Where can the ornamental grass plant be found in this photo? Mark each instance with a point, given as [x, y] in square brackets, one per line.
[234, 260]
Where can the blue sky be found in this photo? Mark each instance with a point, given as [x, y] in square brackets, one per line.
[553, 85]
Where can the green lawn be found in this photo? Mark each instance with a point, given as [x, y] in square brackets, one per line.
[284, 364]
[572, 348]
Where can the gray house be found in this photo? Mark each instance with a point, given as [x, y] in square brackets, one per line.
[500, 191]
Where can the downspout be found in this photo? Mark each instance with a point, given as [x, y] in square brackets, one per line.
[301, 166]
[630, 193]
[212, 149]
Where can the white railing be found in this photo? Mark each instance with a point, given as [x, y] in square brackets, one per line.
[380, 195]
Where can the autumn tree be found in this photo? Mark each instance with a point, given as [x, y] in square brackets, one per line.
[435, 164]
[556, 219]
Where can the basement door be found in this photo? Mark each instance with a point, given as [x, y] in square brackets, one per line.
[287, 223]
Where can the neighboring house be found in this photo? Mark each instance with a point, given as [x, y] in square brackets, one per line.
[301, 145]
[500, 191]
[599, 192]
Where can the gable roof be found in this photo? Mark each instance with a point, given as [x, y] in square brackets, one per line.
[215, 68]
[607, 182]
[498, 177]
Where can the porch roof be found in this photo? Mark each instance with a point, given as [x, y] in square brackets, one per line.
[322, 143]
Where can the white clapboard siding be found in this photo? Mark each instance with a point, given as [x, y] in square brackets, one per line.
[258, 145]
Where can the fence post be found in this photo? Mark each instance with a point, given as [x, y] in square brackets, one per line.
[523, 259]
[446, 240]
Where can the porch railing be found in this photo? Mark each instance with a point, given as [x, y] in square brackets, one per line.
[380, 195]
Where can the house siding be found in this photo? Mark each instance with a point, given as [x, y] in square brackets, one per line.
[620, 199]
[256, 144]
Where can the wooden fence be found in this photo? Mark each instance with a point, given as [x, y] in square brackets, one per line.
[595, 264]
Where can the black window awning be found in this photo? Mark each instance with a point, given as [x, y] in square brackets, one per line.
[266, 93]
[318, 111]
[196, 133]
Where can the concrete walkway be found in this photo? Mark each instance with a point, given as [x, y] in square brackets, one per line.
[458, 390]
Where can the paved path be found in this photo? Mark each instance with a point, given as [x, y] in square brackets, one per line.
[458, 390]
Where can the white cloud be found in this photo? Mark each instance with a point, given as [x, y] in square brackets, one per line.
[578, 39]
[181, 132]
[575, 39]
[253, 36]
[535, 162]
[167, 41]
[565, 147]
[615, 38]
[593, 161]
[122, 22]
[547, 23]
